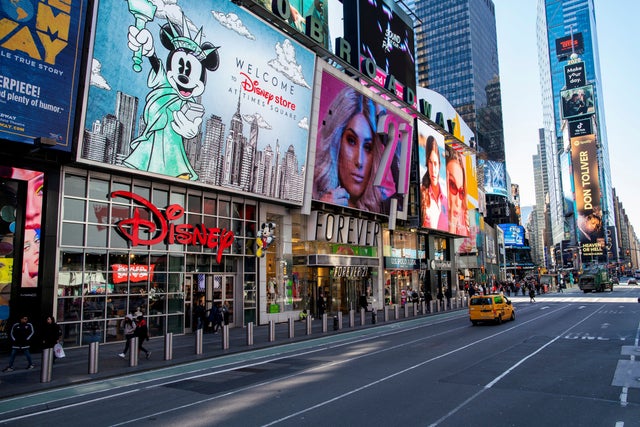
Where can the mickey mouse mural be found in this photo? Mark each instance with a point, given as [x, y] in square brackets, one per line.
[171, 113]
[265, 238]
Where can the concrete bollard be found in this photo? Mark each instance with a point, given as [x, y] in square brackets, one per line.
[250, 333]
[168, 346]
[386, 313]
[424, 307]
[406, 310]
[94, 350]
[309, 324]
[362, 319]
[47, 365]
[198, 341]
[339, 320]
[133, 352]
[324, 322]
[272, 331]
[225, 337]
[352, 318]
[396, 312]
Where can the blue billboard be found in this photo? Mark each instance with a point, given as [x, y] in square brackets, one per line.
[513, 234]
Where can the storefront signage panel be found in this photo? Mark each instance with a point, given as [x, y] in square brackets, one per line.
[336, 228]
[221, 98]
[155, 226]
[133, 272]
[397, 263]
[363, 155]
[40, 51]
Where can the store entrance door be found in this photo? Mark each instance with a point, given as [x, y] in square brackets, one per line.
[211, 288]
[220, 290]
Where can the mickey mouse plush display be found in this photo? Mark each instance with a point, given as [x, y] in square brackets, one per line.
[265, 238]
[171, 113]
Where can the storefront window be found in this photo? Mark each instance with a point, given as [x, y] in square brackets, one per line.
[73, 209]
[75, 186]
[99, 189]
[72, 234]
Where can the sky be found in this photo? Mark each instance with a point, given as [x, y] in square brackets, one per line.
[521, 100]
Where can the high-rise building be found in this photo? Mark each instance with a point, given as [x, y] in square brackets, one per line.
[567, 34]
[457, 56]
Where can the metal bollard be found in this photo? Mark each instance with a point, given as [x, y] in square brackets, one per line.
[198, 341]
[432, 305]
[406, 310]
[324, 322]
[133, 352]
[168, 346]
[352, 318]
[396, 312]
[309, 324]
[339, 320]
[362, 317]
[47, 364]
[335, 323]
[374, 316]
[292, 331]
[250, 333]
[225, 337]
[93, 357]
[424, 307]
[386, 313]
[272, 331]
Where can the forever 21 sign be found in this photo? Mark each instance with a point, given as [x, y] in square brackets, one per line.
[159, 227]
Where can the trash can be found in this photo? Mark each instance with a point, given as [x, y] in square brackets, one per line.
[374, 317]
[335, 323]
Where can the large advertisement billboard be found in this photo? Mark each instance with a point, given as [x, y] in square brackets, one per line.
[567, 45]
[383, 33]
[434, 203]
[495, 178]
[457, 192]
[362, 149]
[40, 49]
[587, 195]
[577, 102]
[513, 234]
[208, 93]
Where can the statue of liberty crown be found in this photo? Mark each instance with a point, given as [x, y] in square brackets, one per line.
[185, 41]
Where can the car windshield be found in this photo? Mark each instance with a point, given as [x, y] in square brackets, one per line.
[480, 301]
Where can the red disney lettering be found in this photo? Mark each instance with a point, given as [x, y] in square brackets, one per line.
[252, 86]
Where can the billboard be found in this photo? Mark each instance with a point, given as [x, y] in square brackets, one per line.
[567, 45]
[41, 48]
[457, 192]
[580, 127]
[495, 178]
[384, 35]
[362, 147]
[587, 195]
[208, 93]
[513, 235]
[575, 75]
[310, 17]
[434, 204]
[577, 102]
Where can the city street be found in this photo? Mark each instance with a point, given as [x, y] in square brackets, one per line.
[568, 359]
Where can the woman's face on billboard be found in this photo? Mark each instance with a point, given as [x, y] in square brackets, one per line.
[457, 192]
[433, 166]
[355, 157]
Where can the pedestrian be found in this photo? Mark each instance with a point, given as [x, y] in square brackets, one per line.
[226, 314]
[532, 294]
[428, 298]
[448, 295]
[51, 334]
[129, 331]
[142, 332]
[200, 314]
[21, 334]
[320, 305]
[440, 297]
[215, 317]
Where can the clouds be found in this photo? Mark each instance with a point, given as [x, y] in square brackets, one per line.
[232, 22]
[285, 63]
[258, 119]
[96, 77]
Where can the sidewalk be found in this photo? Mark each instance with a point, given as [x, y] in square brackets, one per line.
[74, 368]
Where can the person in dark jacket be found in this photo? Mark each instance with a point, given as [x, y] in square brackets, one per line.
[142, 332]
[51, 334]
[21, 334]
[215, 317]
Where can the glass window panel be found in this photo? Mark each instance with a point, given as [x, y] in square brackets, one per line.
[98, 212]
[175, 324]
[113, 332]
[116, 306]
[73, 209]
[120, 186]
[177, 199]
[93, 308]
[120, 212]
[72, 234]
[156, 326]
[210, 221]
[176, 262]
[70, 334]
[157, 303]
[175, 282]
[175, 303]
[224, 208]
[160, 198]
[225, 223]
[209, 206]
[75, 185]
[138, 304]
[116, 240]
[237, 210]
[97, 236]
[195, 204]
[92, 332]
[99, 189]
[142, 191]
[68, 309]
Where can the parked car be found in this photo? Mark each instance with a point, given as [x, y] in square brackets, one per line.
[490, 308]
[632, 281]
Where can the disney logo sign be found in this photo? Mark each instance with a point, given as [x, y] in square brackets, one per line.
[160, 227]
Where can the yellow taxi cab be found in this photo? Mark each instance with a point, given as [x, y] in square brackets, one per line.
[490, 308]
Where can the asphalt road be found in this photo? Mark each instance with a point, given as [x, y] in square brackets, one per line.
[569, 359]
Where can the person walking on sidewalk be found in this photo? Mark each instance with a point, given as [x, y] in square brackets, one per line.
[51, 334]
[129, 331]
[21, 334]
[532, 293]
[142, 332]
[215, 317]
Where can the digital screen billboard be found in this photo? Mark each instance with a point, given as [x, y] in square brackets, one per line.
[383, 33]
[589, 220]
[41, 50]
[575, 75]
[212, 95]
[495, 178]
[577, 102]
[567, 45]
[459, 223]
[354, 166]
[434, 204]
[513, 234]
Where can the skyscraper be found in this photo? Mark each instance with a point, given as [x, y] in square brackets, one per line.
[457, 56]
[570, 23]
